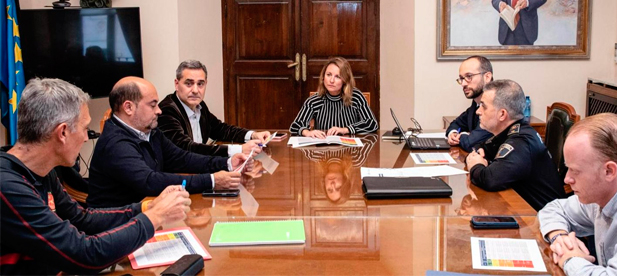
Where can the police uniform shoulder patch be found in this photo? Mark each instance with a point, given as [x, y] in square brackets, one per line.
[504, 150]
[514, 129]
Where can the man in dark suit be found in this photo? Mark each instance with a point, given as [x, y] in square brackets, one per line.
[465, 130]
[188, 123]
[526, 21]
[133, 159]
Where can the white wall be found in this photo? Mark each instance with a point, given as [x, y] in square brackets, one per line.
[397, 59]
[437, 94]
[201, 38]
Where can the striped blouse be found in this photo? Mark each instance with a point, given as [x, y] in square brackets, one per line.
[329, 111]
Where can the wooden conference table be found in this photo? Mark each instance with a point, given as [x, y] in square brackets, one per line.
[345, 233]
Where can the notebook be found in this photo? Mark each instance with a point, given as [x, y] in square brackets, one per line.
[421, 143]
[258, 233]
[404, 187]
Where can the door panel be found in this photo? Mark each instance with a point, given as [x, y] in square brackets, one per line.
[255, 31]
[261, 38]
[336, 29]
[257, 108]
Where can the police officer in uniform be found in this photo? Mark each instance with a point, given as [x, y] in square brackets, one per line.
[515, 157]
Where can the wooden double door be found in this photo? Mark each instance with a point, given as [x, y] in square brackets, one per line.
[274, 51]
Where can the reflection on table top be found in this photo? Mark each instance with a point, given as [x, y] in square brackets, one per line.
[345, 233]
[370, 245]
[322, 181]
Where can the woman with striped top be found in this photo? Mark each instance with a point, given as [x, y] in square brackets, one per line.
[338, 107]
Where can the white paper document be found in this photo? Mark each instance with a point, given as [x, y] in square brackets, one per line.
[506, 254]
[267, 162]
[412, 172]
[432, 158]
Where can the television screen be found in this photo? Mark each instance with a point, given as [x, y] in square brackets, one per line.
[91, 48]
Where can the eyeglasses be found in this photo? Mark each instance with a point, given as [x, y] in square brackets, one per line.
[467, 77]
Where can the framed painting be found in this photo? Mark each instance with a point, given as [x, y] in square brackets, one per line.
[513, 29]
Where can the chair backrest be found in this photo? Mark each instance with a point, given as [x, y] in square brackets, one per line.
[560, 117]
[367, 96]
[106, 116]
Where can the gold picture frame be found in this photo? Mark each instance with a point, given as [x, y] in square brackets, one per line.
[474, 27]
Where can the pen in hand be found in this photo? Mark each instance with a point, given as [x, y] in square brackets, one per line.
[184, 184]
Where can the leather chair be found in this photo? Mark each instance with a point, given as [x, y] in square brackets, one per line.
[106, 116]
[560, 117]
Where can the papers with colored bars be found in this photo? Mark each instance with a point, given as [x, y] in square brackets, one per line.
[506, 254]
[432, 158]
[412, 172]
[166, 247]
[297, 142]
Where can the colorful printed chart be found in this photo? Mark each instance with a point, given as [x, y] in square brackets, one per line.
[506, 254]
[166, 247]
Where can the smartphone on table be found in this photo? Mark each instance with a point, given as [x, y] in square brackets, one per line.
[493, 222]
[221, 193]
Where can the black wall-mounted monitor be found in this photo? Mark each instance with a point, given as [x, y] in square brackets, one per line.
[91, 48]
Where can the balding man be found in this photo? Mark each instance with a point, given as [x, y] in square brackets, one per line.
[133, 159]
[44, 231]
[515, 157]
[590, 152]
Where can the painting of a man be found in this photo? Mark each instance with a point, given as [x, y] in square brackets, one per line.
[526, 22]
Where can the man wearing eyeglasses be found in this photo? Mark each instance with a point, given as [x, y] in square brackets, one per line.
[465, 130]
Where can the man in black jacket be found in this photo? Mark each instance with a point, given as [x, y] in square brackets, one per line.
[465, 130]
[515, 157]
[188, 123]
[43, 230]
[133, 159]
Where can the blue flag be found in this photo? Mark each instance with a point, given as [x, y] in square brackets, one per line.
[11, 67]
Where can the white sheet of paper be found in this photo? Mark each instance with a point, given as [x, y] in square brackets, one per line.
[267, 162]
[412, 171]
[519, 254]
[432, 158]
[432, 135]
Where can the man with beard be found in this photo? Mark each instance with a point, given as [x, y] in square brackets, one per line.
[133, 159]
[465, 130]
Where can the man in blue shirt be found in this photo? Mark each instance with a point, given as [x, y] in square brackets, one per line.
[465, 130]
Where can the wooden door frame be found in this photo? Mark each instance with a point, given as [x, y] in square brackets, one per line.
[230, 106]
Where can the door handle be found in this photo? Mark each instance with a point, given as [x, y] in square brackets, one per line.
[297, 65]
[303, 67]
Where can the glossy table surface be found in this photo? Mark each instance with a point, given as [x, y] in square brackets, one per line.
[347, 234]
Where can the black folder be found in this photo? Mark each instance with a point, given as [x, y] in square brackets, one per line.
[404, 187]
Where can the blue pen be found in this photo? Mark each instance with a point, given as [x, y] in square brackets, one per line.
[458, 130]
[184, 184]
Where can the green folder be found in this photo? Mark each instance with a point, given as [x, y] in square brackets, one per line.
[258, 233]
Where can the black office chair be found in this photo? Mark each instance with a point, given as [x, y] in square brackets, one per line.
[560, 117]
